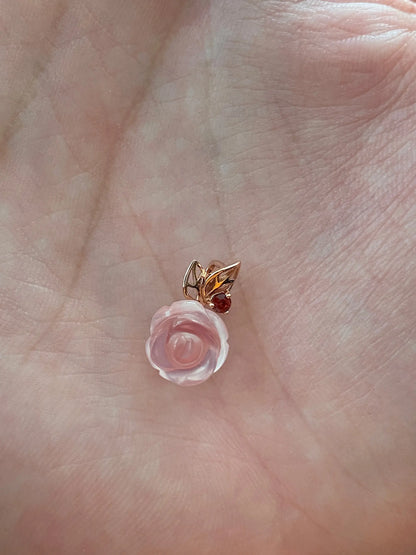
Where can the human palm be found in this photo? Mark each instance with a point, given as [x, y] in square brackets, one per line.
[136, 136]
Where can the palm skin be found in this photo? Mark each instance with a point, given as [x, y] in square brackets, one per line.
[136, 136]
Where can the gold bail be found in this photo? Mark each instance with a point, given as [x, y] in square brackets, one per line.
[212, 284]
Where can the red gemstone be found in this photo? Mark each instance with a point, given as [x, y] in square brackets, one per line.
[221, 302]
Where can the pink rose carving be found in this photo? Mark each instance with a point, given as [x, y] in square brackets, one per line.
[187, 342]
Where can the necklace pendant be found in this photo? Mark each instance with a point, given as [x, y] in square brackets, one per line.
[188, 340]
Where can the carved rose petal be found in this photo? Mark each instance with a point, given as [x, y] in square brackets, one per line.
[187, 342]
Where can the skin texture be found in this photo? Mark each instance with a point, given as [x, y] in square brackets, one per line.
[136, 136]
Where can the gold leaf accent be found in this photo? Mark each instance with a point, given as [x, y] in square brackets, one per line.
[220, 280]
[192, 280]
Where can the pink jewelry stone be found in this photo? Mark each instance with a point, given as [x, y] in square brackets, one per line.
[187, 342]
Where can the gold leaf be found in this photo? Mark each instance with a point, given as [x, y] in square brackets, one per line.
[220, 280]
[191, 279]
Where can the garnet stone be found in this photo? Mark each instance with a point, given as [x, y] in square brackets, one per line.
[221, 302]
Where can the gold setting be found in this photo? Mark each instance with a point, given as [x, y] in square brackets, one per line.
[216, 278]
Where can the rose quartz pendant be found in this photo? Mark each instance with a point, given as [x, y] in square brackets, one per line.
[188, 341]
